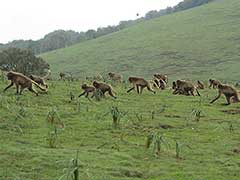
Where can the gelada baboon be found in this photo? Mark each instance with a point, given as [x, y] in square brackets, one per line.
[229, 92]
[213, 83]
[104, 88]
[115, 76]
[178, 91]
[22, 81]
[162, 84]
[185, 87]
[62, 75]
[87, 89]
[38, 80]
[200, 85]
[141, 83]
[161, 76]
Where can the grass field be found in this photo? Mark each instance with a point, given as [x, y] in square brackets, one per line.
[201, 42]
[207, 136]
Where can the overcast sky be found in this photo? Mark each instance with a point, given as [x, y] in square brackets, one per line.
[32, 19]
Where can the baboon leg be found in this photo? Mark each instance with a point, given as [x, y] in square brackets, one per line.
[219, 95]
[191, 92]
[111, 94]
[17, 87]
[32, 90]
[228, 98]
[130, 89]
[82, 94]
[21, 90]
[141, 89]
[8, 86]
[86, 95]
[198, 92]
[150, 89]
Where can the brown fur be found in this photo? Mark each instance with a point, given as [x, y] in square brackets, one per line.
[38, 80]
[115, 76]
[62, 75]
[104, 88]
[141, 83]
[22, 81]
[87, 89]
[229, 92]
[185, 87]
[161, 76]
[214, 83]
[200, 85]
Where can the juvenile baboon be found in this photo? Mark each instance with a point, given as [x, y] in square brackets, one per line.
[38, 80]
[141, 83]
[87, 89]
[22, 81]
[161, 76]
[62, 75]
[115, 76]
[200, 85]
[229, 92]
[213, 83]
[185, 87]
[104, 88]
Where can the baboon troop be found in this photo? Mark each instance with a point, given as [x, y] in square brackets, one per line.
[115, 77]
[21, 81]
[229, 92]
[104, 88]
[87, 89]
[141, 83]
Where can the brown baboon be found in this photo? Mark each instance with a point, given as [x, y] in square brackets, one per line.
[87, 89]
[213, 83]
[200, 85]
[38, 80]
[161, 76]
[229, 92]
[104, 88]
[115, 76]
[22, 81]
[62, 75]
[185, 87]
[139, 82]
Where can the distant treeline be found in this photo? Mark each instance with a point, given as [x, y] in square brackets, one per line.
[60, 38]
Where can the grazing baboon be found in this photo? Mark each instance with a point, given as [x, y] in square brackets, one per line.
[104, 88]
[161, 76]
[229, 92]
[62, 75]
[185, 87]
[200, 85]
[22, 81]
[115, 76]
[139, 82]
[213, 83]
[38, 80]
[87, 89]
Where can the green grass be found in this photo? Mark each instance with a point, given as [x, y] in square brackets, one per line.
[205, 146]
[198, 43]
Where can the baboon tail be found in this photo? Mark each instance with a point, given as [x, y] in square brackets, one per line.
[198, 92]
[43, 89]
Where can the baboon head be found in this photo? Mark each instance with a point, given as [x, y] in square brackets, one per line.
[95, 84]
[84, 86]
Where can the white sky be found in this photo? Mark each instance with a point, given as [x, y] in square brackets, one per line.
[32, 19]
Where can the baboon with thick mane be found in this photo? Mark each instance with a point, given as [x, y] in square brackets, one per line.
[141, 83]
[23, 82]
[104, 88]
[213, 83]
[161, 76]
[38, 80]
[115, 76]
[229, 92]
[87, 89]
[200, 85]
[185, 87]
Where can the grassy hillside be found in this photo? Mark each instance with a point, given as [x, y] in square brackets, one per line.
[209, 144]
[200, 42]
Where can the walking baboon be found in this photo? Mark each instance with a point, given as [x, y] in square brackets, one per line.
[38, 80]
[161, 76]
[229, 92]
[141, 83]
[185, 87]
[213, 83]
[87, 89]
[115, 76]
[200, 85]
[104, 88]
[23, 82]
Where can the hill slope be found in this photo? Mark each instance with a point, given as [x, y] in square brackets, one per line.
[203, 41]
